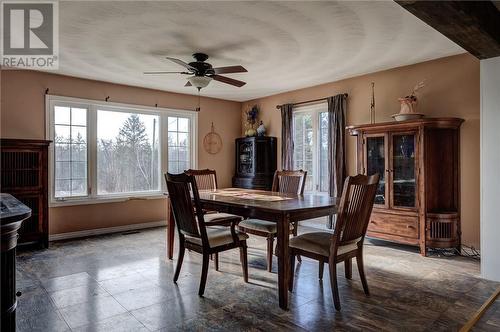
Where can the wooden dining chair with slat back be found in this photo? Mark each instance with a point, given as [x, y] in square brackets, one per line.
[194, 233]
[347, 240]
[206, 179]
[285, 181]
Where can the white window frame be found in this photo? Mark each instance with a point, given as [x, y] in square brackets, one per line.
[92, 106]
[315, 110]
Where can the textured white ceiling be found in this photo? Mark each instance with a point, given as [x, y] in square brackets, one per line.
[284, 45]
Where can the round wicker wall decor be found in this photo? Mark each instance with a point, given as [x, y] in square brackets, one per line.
[212, 143]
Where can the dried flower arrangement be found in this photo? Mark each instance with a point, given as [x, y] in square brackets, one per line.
[251, 120]
[417, 87]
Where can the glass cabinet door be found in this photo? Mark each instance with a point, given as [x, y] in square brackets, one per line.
[375, 163]
[246, 158]
[403, 170]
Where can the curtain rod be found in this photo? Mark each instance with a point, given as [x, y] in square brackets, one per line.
[309, 101]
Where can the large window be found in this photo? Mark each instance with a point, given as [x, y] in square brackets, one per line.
[105, 151]
[310, 153]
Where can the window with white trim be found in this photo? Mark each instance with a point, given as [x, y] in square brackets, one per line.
[109, 151]
[310, 138]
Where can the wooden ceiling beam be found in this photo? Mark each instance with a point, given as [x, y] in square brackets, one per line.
[474, 25]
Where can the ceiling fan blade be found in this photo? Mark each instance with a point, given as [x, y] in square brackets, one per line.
[228, 80]
[229, 69]
[188, 84]
[164, 72]
[182, 63]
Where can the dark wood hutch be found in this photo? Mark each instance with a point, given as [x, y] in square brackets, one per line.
[255, 162]
[24, 174]
[418, 199]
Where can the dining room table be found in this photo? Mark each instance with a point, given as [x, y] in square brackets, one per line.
[280, 208]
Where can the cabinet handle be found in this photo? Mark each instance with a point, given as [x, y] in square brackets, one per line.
[410, 226]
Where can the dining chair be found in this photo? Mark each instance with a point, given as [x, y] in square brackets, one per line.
[206, 179]
[289, 182]
[194, 233]
[346, 242]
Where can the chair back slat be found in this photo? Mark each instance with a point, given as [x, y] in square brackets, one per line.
[189, 222]
[289, 182]
[355, 208]
[206, 179]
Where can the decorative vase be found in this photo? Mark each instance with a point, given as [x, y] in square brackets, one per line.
[261, 130]
[408, 105]
[250, 132]
[408, 110]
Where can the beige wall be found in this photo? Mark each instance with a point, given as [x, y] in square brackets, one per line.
[23, 116]
[452, 89]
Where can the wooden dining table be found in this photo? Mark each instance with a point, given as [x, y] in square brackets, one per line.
[265, 205]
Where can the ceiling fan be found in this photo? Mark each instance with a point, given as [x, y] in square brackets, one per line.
[203, 72]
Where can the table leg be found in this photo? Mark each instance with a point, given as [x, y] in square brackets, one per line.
[170, 231]
[283, 260]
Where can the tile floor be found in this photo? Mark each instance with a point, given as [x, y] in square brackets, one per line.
[123, 282]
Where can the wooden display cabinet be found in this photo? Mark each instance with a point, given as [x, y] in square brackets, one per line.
[418, 199]
[255, 162]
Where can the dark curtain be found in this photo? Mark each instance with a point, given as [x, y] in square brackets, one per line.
[337, 106]
[286, 136]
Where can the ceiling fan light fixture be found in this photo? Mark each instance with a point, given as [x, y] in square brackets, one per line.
[199, 81]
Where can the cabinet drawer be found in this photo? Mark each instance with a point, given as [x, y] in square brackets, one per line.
[406, 226]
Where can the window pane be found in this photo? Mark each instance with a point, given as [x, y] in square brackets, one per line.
[62, 152]
[63, 170]
[62, 188]
[61, 115]
[178, 144]
[172, 167]
[127, 152]
[70, 151]
[183, 125]
[78, 170]
[172, 124]
[62, 134]
[78, 116]
[183, 139]
[78, 135]
[183, 154]
[79, 187]
[183, 166]
[173, 153]
[172, 139]
[78, 152]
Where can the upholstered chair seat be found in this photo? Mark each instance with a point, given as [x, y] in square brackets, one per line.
[220, 217]
[218, 236]
[260, 225]
[319, 243]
